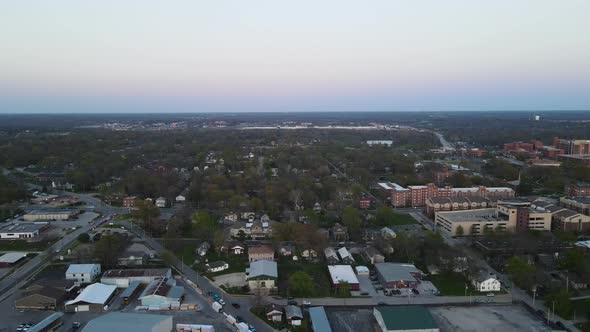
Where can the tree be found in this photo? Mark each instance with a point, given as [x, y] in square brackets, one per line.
[521, 273]
[343, 289]
[84, 238]
[146, 212]
[301, 284]
[384, 216]
[561, 299]
[459, 231]
[351, 218]
[107, 249]
[203, 225]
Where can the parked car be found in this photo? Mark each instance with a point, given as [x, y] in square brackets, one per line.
[364, 293]
[235, 305]
[306, 303]
[292, 302]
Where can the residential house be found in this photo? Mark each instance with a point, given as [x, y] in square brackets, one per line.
[309, 254]
[339, 232]
[83, 273]
[287, 249]
[161, 202]
[294, 315]
[274, 315]
[373, 255]
[388, 233]
[345, 256]
[261, 253]
[132, 258]
[180, 199]
[486, 282]
[233, 247]
[217, 266]
[262, 275]
[331, 256]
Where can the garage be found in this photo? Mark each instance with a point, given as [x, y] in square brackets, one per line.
[81, 308]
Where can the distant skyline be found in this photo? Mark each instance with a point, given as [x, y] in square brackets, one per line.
[300, 56]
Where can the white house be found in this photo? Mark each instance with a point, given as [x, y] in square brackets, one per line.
[83, 273]
[345, 256]
[388, 233]
[161, 202]
[180, 199]
[217, 266]
[486, 282]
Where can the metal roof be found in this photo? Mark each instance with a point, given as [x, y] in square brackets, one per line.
[319, 320]
[81, 268]
[46, 322]
[23, 227]
[131, 289]
[96, 293]
[293, 311]
[262, 268]
[12, 257]
[124, 322]
[342, 273]
[396, 271]
[136, 273]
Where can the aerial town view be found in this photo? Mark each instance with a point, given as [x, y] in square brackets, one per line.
[330, 166]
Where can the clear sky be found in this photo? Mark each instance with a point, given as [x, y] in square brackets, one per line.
[270, 55]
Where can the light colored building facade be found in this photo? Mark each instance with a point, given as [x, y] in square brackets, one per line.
[83, 273]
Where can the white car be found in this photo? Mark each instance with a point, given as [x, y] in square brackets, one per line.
[306, 303]
[221, 301]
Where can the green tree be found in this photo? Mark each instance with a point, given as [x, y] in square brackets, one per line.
[561, 299]
[107, 249]
[204, 226]
[384, 216]
[459, 231]
[343, 289]
[84, 238]
[145, 212]
[301, 284]
[351, 218]
[521, 273]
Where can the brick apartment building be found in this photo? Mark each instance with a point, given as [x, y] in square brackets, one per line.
[577, 189]
[550, 152]
[414, 196]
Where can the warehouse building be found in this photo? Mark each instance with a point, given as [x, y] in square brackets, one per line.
[162, 292]
[24, 230]
[398, 275]
[405, 319]
[343, 274]
[45, 295]
[50, 215]
[319, 320]
[123, 278]
[125, 322]
[11, 258]
[50, 323]
[93, 298]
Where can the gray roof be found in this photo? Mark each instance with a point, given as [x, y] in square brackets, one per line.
[319, 320]
[81, 268]
[262, 269]
[216, 264]
[124, 322]
[553, 208]
[564, 213]
[293, 311]
[131, 289]
[23, 227]
[396, 271]
[42, 325]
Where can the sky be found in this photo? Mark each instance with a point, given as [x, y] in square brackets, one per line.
[269, 55]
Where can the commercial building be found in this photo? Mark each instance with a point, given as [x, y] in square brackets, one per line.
[262, 274]
[343, 274]
[161, 293]
[319, 320]
[405, 319]
[122, 278]
[93, 298]
[577, 189]
[49, 323]
[125, 322]
[572, 146]
[580, 204]
[23, 230]
[83, 273]
[414, 196]
[576, 159]
[47, 295]
[50, 215]
[505, 217]
[398, 275]
[11, 258]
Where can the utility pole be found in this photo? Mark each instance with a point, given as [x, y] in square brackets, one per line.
[553, 315]
[534, 294]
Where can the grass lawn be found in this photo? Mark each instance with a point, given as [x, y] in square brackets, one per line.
[22, 245]
[450, 284]
[187, 254]
[124, 216]
[237, 263]
[401, 219]
[318, 272]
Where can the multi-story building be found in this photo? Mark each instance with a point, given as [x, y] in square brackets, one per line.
[436, 204]
[577, 159]
[577, 189]
[550, 152]
[414, 196]
[580, 204]
[572, 146]
[505, 217]
[519, 146]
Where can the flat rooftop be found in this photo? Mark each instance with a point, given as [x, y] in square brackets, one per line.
[23, 227]
[478, 215]
[50, 211]
[342, 273]
[135, 273]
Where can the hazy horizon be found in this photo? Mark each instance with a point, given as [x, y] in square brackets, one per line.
[68, 56]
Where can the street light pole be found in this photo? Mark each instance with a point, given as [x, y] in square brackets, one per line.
[534, 295]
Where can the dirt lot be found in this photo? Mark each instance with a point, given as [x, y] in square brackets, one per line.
[486, 318]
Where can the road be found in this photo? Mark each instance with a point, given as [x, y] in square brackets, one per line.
[446, 144]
